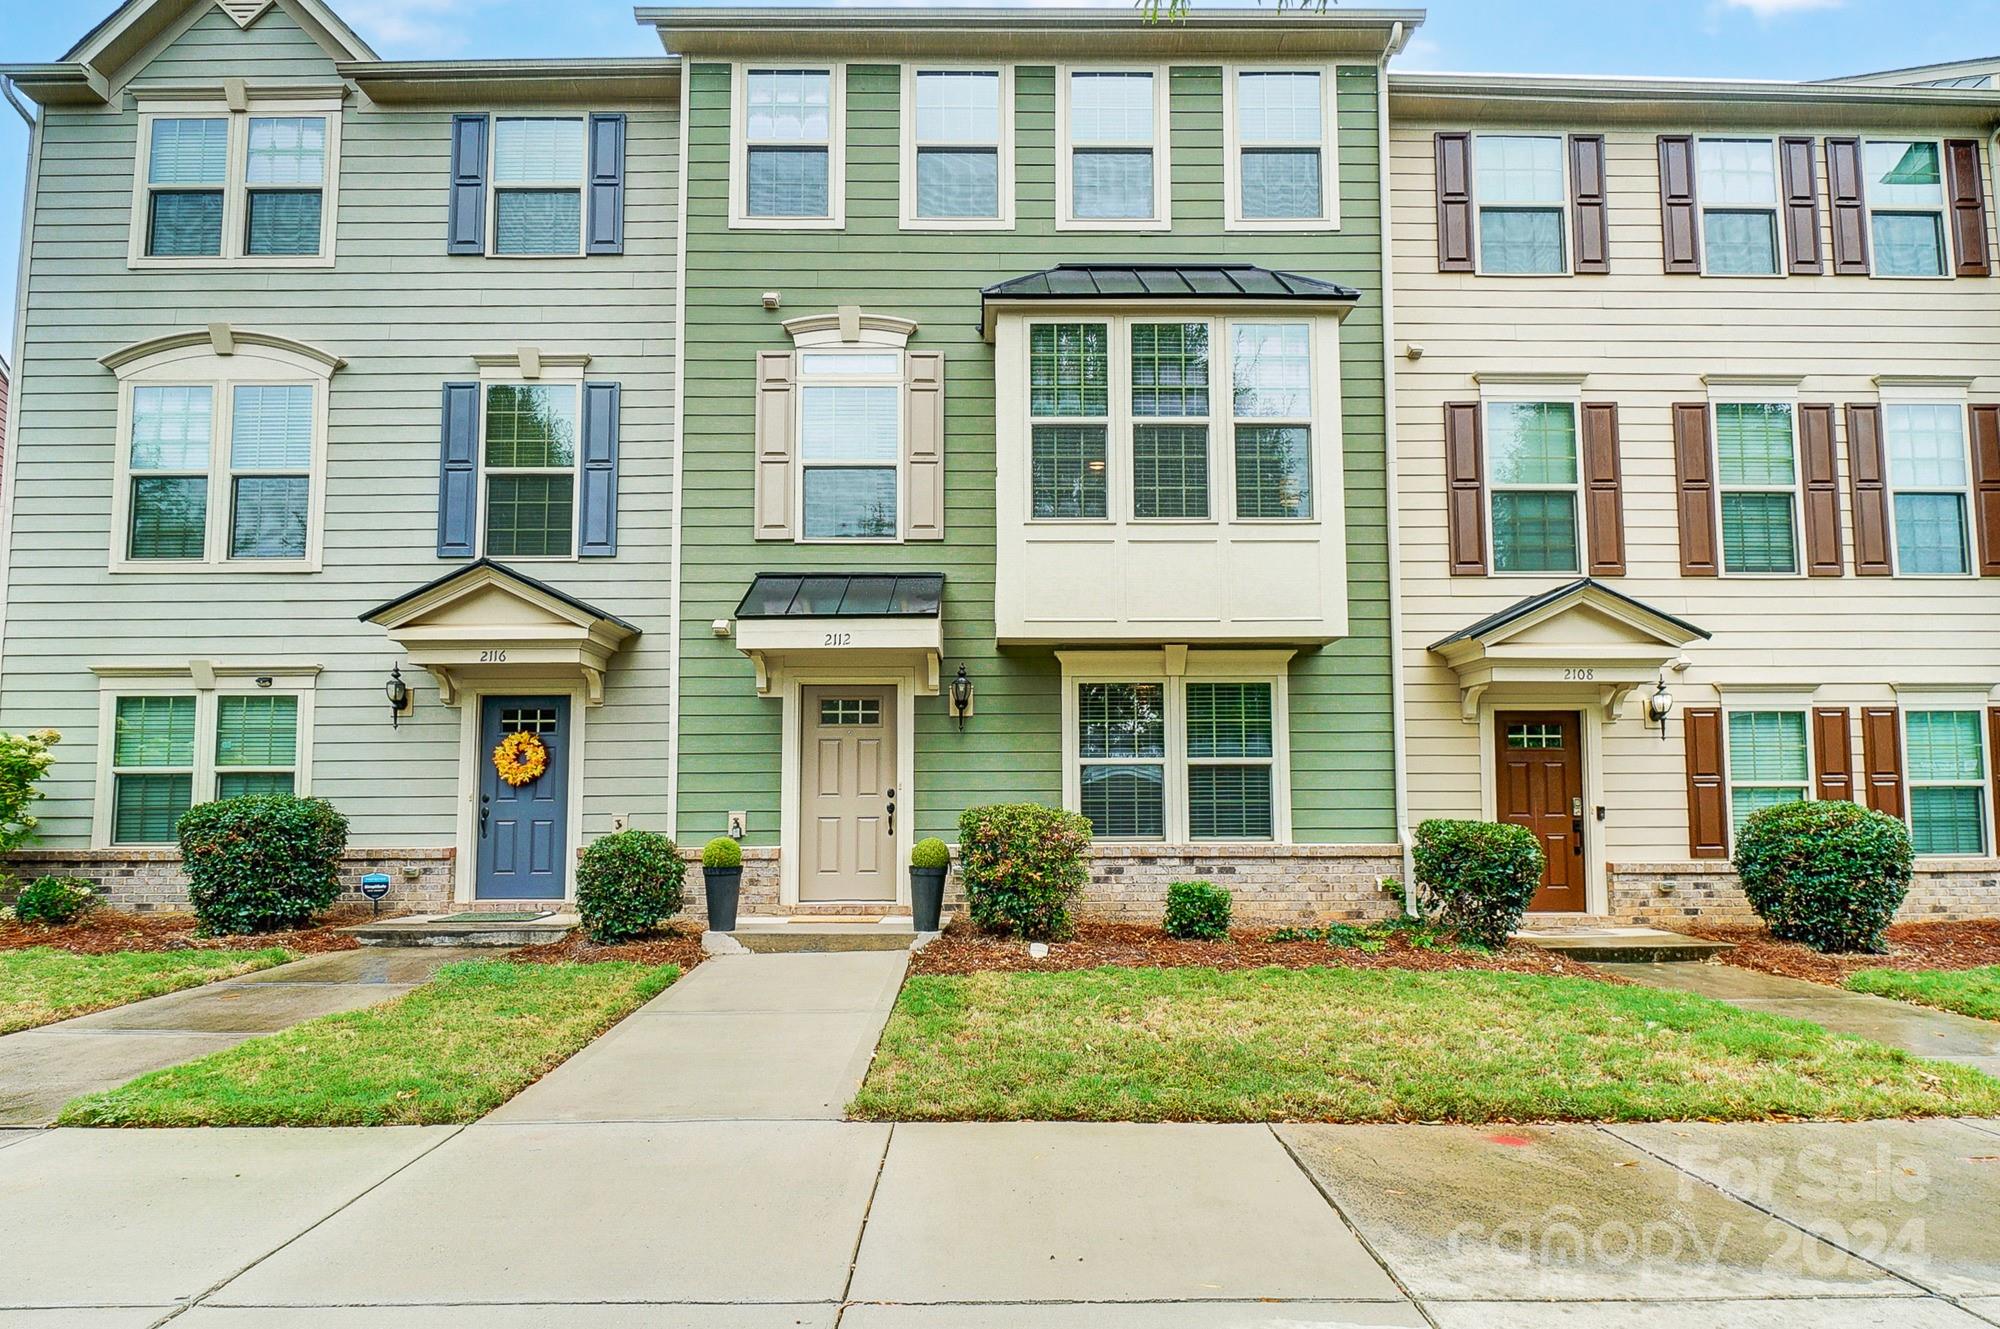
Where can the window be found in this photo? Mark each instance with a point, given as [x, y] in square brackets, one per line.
[1122, 745]
[1531, 467]
[850, 444]
[1271, 396]
[1756, 473]
[791, 160]
[256, 744]
[1929, 473]
[168, 745]
[1114, 169]
[1768, 762]
[1282, 128]
[958, 165]
[1170, 420]
[221, 186]
[530, 440]
[1904, 189]
[1946, 755]
[152, 767]
[538, 167]
[1229, 753]
[1737, 184]
[1069, 400]
[1520, 192]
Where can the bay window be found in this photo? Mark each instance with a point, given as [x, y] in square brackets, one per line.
[1170, 420]
[1069, 403]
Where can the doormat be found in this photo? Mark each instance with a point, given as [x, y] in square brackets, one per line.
[477, 917]
[817, 919]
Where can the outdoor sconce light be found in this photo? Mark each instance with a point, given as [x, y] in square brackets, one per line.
[961, 696]
[1659, 706]
[398, 693]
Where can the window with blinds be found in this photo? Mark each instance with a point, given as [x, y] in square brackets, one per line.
[1069, 403]
[788, 126]
[538, 167]
[1767, 761]
[187, 181]
[1122, 748]
[1229, 754]
[1170, 406]
[270, 465]
[243, 185]
[1110, 137]
[256, 744]
[1521, 193]
[958, 137]
[1929, 480]
[1756, 475]
[152, 767]
[530, 437]
[850, 444]
[1193, 758]
[1270, 368]
[172, 431]
[284, 177]
[1945, 754]
[1282, 131]
[1532, 483]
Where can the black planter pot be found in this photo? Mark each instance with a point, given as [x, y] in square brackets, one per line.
[927, 897]
[722, 885]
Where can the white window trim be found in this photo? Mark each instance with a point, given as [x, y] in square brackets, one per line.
[1750, 705]
[891, 345]
[836, 148]
[1112, 493]
[530, 369]
[907, 187]
[1161, 147]
[1133, 422]
[199, 365]
[1329, 155]
[1757, 397]
[1908, 703]
[235, 196]
[494, 188]
[205, 681]
[1947, 257]
[1174, 667]
[1479, 205]
[1567, 391]
[1781, 247]
[1891, 395]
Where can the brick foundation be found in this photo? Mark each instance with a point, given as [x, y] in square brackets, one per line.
[1662, 894]
[148, 880]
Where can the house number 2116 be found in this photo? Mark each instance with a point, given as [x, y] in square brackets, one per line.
[494, 656]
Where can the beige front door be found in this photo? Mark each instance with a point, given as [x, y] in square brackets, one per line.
[848, 780]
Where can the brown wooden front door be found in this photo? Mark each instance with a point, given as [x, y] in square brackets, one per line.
[1539, 784]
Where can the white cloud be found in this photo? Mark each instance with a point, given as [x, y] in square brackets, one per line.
[1770, 9]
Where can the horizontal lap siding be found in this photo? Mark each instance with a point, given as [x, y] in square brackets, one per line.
[1646, 340]
[406, 318]
[1011, 748]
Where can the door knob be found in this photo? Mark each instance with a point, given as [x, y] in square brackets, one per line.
[892, 812]
[484, 812]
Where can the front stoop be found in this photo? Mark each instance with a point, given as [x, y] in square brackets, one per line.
[787, 936]
[428, 930]
[1614, 944]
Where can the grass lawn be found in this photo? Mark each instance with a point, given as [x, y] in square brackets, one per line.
[1967, 991]
[41, 984]
[451, 1051]
[1372, 1045]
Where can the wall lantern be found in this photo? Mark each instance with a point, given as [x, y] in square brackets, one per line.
[398, 693]
[961, 696]
[1659, 706]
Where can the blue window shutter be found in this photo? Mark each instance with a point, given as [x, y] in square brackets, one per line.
[467, 227]
[598, 530]
[607, 185]
[458, 471]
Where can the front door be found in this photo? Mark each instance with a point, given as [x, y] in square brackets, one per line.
[847, 777]
[523, 832]
[1540, 786]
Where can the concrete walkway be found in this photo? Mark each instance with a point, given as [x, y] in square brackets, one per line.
[42, 1069]
[1939, 1035]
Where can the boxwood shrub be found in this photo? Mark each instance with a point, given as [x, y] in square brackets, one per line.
[1197, 911]
[722, 853]
[1477, 877]
[930, 853]
[54, 901]
[1830, 874]
[261, 862]
[1023, 866]
[628, 883]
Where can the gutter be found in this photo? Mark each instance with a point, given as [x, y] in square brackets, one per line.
[14, 100]
[1399, 741]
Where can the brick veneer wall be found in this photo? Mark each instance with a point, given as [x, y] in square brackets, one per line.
[1662, 894]
[145, 880]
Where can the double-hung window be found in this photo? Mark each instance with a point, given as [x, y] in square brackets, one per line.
[1281, 149]
[1531, 468]
[789, 170]
[1522, 199]
[1270, 367]
[1069, 405]
[529, 435]
[1737, 183]
[1170, 406]
[152, 767]
[850, 444]
[1122, 755]
[1230, 754]
[1756, 473]
[169, 746]
[958, 168]
[222, 186]
[1904, 189]
[1113, 173]
[1768, 762]
[1929, 474]
[1945, 753]
[538, 169]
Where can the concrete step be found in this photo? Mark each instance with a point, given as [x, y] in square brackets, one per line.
[783, 936]
[1615, 944]
[430, 930]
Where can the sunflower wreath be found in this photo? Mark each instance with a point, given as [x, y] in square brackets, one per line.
[520, 758]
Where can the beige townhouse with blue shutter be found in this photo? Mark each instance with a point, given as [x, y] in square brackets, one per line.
[335, 374]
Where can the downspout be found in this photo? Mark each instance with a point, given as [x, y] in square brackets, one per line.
[1398, 726]
[17, 389]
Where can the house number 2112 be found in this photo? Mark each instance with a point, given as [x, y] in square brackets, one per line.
[839, 639]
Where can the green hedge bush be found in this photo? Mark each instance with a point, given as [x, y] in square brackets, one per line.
[54, 901]
[1477, 877]
[722, 852]
[628, 883]
[1023, 866]
[262, 862]
[930, 853]
[1198, 911]
[1830, 874]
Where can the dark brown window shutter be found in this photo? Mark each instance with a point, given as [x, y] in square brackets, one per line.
[1822, 496]
[1968, 207]
[1454, 191]
[1465, 473]
[1870, 490]
[1801, 178]
[1681, 240]
[1603, 494]
[1850, 214]
[1986, 488]
[1694, 473]
[1833, 751]
[1586, 203]
[1882, 758]
[1708, 816]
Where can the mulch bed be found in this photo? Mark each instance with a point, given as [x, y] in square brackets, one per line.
[961, 949]
[664, 947]
[109, 931]
[1968, 945]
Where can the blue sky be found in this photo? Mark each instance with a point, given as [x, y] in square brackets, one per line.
[1719, 38]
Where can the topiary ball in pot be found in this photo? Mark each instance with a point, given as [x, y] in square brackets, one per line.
[1477, 877]
[261, 862]
[1197, 911]
[628, 883]
[930, 862]
[1830, 874]
[722, 881]
[54, 901]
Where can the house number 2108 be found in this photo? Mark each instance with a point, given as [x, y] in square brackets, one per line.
[1579, 675]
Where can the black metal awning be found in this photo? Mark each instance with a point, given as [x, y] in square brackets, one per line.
[1172, 282]
[844, 595]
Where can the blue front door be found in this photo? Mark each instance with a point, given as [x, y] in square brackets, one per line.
[524, 829]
